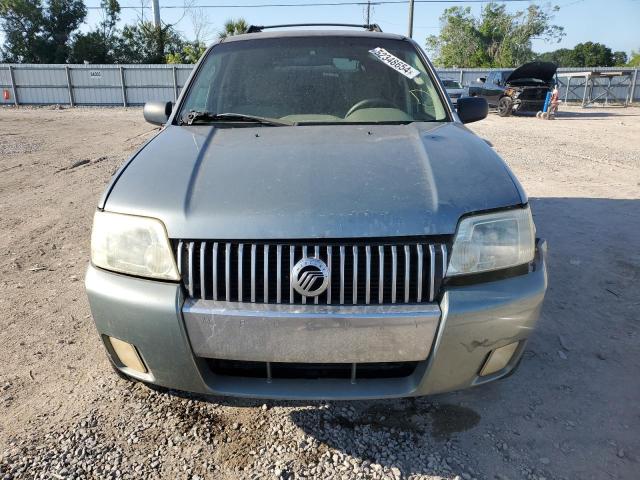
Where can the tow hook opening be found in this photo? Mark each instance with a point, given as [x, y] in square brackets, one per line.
[126, 354]
[498, 359]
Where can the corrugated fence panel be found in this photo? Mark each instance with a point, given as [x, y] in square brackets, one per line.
[42, 95]
[98, 95]
[150, 83]
[40, 76]
[97, 85]
[182, 75]
[41, 84]
[5, 86]
[140, 95]
[151, 76]
[103, 84]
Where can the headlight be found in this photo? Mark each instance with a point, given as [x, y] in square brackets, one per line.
[134, 245]
[493, 241]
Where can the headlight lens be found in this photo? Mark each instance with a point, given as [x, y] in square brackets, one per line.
[134, 245]
[493, 241]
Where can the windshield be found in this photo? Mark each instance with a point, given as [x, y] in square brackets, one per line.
[451, 84]
[316, 80]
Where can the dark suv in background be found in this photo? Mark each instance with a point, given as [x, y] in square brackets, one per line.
[521, 90]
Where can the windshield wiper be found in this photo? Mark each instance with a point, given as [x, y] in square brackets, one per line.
[196, 116]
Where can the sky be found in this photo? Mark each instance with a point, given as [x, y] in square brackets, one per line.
[616, 23]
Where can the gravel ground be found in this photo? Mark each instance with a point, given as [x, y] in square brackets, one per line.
[570, 412]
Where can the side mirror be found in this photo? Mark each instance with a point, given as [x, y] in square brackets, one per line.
[472, 109]
[157, 112]
[481, 79]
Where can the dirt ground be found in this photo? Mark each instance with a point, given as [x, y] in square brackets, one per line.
[571, 411]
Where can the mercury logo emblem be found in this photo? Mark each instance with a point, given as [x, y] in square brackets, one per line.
[310, 277]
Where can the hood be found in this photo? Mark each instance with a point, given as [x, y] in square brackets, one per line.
[538, 70]
[342, 181]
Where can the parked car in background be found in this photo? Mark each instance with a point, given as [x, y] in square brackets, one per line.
[454, 89]
[521, 90]
[314, 220]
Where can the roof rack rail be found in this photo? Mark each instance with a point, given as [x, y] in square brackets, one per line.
[372, 27]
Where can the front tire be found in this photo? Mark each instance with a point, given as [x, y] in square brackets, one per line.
[505, 106]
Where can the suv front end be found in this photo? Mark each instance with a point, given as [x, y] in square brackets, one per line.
[364, 249]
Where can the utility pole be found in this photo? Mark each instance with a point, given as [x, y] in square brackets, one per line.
[156, 13]
[410, 18]
[368, 12]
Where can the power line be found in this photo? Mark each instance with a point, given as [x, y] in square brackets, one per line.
[315, 4]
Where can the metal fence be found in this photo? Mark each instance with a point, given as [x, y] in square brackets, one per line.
[24, 84]
[125, 85]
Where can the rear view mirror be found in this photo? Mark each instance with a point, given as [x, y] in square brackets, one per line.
[472, 109]
[157, 112]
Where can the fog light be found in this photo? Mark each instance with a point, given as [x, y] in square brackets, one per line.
[498, 359]
[128, 355]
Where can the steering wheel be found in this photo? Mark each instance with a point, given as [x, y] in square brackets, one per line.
[369, 103]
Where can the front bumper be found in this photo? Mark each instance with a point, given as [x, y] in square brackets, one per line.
[451, 340]
[310, 333]
[528, 104]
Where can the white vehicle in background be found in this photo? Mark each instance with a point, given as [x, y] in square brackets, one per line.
[454, 90]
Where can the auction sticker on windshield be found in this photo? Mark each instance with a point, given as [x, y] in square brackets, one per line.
[395, 63]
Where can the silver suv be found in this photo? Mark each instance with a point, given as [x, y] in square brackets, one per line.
[315, 221]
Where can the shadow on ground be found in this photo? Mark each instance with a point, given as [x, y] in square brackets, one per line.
[591, 112]
[576, 113]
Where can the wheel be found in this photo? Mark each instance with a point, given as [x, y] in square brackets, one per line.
[545, 116]
[538, 115]
[505, 106]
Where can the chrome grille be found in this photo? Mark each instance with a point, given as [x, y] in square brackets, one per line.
[360, 273]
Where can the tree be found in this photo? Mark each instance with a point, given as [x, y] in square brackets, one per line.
[190, 53]
[234, 27]
[563, 57]
[62, 19]
[200, 24]
[146, 43]
[634, 61]
[619, 59]
[37, 32]
[459, 42]
[101, 44]
[496, 39]
[21, 21]
[588, 54]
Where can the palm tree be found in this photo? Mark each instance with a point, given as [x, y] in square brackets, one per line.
[234, 27]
